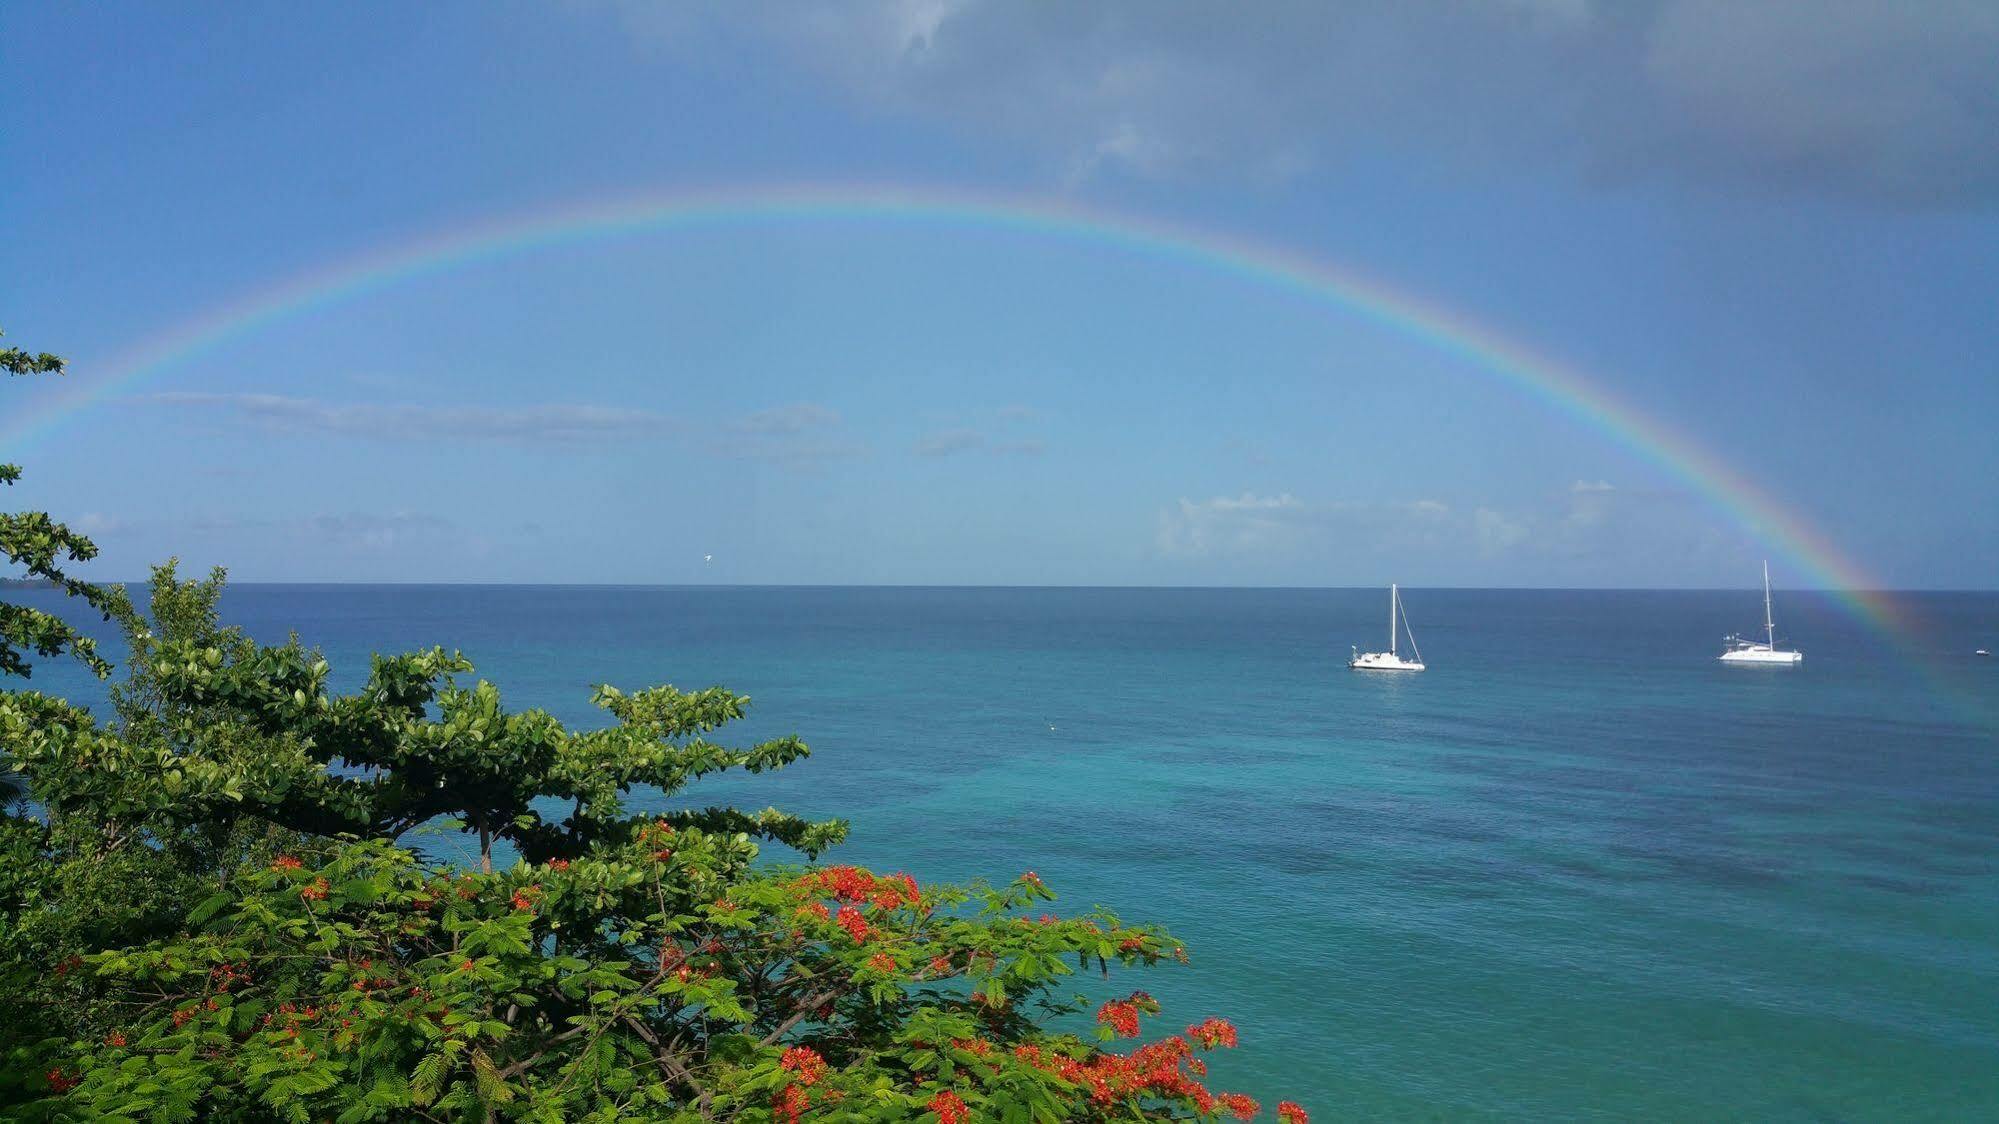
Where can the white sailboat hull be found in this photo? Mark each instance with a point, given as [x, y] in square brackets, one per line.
[1762, 655]
[1382, 661]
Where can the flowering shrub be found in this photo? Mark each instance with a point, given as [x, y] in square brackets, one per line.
[624, 966]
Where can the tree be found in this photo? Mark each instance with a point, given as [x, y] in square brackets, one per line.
[40, 547]
[83, 875]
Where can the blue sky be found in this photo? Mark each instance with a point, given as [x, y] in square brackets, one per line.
[1773, 228]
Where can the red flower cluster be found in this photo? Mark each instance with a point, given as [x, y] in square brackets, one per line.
[882, 962]
[225, 976]
[286, 862]
[1120, 1016]
[1159, 1069]
[524, 898]
[848, 883]
[815, 909]
[60, 1082]
[558, 864]
[805, 1062]
[851, 920]
[949, 1108]
[1212, 1033]
[316, 891]
[1288, 1112]
[115, 1038]
[1239, 1106]
[790, 1104]
[941, 965]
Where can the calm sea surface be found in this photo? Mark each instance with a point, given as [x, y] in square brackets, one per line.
[1575, 870]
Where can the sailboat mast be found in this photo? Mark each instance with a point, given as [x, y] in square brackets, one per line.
[1769, 617]
[1393, 597]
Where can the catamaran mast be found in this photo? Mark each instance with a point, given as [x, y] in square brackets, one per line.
[1769, 621]
[1393, 597]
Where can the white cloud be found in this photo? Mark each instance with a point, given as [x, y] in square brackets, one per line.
[1868, 98]
[1229, 524]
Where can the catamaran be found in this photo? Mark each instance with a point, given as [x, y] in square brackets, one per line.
[1741, 650]
[1398, 621]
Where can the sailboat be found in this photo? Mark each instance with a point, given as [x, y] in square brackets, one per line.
[1749, 651]
[1398, 621]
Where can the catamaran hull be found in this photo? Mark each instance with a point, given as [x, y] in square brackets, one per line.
[1388, 663]
[1781, 659]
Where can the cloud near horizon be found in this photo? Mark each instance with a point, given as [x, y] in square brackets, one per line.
[1586, 528]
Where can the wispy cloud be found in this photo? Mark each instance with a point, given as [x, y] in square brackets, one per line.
[797, 434]
[543, 424]
[950, 442]
[1882, 100]
[794, 417]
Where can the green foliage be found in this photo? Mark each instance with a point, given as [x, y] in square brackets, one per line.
[110, 867]
[254, 732]
[40, 547]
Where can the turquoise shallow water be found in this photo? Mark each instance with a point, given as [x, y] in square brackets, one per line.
[1575, 870]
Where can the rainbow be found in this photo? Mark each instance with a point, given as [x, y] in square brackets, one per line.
[1539, 376]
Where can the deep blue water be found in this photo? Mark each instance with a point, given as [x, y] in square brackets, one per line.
[1576, 869]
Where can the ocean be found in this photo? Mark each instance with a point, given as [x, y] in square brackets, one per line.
[1575, 870]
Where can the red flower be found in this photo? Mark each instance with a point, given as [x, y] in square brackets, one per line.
[1288, 1112]
[805, 1062]
[1121, 1016]
[316, 892]
[815, 909]
[851, 920]
[848, 883]
[286, 862]
[522, 901]
[1213, 1033]
[60, 1082]
[791, 1102]
[1034, 880]
[949, 1109]
[662, 854]
[465, 965]
[115, 1038]
[882, 962]
[1238, 1105]
[558, 864]
[940, 965]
